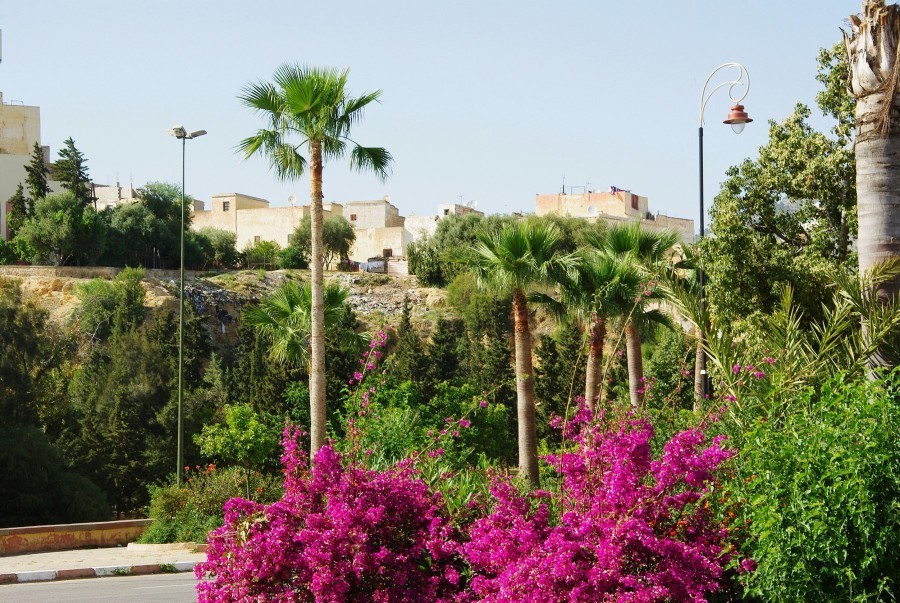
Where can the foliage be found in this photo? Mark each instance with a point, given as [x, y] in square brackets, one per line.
[365, 536]
[437, 260]
[37, 488]
[559, 375]
[61, 231]
[189, 512]
[821, 496]
[788, 216]
[408, 358]
[224, 247]
[338, 237]
[261, 254]
[37, 172]
[106, 305]
[625, 527]
[245, 439]
[18, 212]
[71, 170]
[670, 370]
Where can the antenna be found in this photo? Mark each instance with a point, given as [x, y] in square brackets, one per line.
[1, 45]
[564, 184]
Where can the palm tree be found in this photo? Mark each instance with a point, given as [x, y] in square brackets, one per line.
[875, 81]
[600, 288]
[520, 256]
[643, 251]
[308, 110]
[681, 286]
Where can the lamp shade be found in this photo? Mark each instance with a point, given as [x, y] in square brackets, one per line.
[737, 119]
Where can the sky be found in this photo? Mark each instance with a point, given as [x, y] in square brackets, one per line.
[490, 101]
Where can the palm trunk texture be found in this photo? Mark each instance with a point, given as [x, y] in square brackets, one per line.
[874, 80]
[594, 362]
[528, 461]
[635, 365]
[317, 327]
[698, 372]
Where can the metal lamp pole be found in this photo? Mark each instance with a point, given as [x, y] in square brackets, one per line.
[182, 134]
[737, 119]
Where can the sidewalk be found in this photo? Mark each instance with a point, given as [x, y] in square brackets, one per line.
[95, 563]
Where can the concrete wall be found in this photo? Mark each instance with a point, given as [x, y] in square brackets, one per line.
[372, 242]
[372, 214]
[113, 195]
[20, 128]
[620, 204]
[421, 226]
[34, 539]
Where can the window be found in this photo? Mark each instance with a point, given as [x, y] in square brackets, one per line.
[353, 217]
[387, 253]
[256, 239]
[226, 205]
[446, 212]
[634, 201]
[290, 237]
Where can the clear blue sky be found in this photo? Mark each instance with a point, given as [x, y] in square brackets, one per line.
[493, 101]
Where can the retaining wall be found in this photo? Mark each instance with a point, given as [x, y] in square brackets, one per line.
[35, 539]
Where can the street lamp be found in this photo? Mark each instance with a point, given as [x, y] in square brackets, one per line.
[737, 118]
[182, 134]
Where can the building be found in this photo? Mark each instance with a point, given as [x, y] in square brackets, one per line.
[612, 206]
[20, 129]
[108, 195]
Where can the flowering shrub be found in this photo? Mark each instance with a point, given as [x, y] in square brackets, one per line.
[187, 513]
[340, 533]
[629, 528]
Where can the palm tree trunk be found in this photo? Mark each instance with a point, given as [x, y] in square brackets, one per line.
[698, 372]
[594, 362]
[635, 365]
[528, 462]
[875, 79]
[317, 320]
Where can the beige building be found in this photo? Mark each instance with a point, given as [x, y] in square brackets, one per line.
[426, 226]
[20, 128]
[612, 206]
[112, 195]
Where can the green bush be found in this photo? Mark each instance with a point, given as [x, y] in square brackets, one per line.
[188, 513]
[819, 496]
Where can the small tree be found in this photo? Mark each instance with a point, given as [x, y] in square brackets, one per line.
[245, 440]
[38, 188]
[18, 212]
[224, 246]
[61, 231]
[71, 170]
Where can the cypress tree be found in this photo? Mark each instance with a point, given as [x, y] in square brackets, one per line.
[18, 212]
[71, 170]
[38, 188]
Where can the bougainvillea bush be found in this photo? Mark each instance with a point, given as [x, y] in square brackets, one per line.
[340, 533]
[620, 527]
[623, 527]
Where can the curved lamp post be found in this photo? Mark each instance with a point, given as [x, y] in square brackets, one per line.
[737, 118]
[183, 135]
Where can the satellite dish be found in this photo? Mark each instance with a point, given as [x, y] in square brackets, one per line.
[592, 211]
[292, 200]
[473, 204]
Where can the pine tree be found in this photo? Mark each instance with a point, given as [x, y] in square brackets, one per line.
[18, 212]
[408, 362]
[38, 188]
[71, 170]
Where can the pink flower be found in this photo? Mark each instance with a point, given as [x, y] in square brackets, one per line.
[483, 404]
[736, 369]
[464, 423]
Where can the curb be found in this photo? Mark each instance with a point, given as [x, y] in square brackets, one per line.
[97, 572]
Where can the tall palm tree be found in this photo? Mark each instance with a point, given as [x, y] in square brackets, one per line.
[521, 255]
[308, 113]
[285, 317]
[875, 81]
[641, 250]
[599, 289]
[681, 286]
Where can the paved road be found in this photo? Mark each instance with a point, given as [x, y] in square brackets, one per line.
[156, 588]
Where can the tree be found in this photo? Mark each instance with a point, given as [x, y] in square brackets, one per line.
[284, 317]
[408, 360]
[641, 251]
[874, 79]
[223, 244]
[71, 170]
[61, 231]
[245, 440]
[520, 256]
[18, 212]
[337, 239]
[37, 171]
[310, 105]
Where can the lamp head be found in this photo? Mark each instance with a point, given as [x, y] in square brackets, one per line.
[177, 132]
[196, 134]
[738, 118]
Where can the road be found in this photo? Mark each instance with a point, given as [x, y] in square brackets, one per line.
[155, 588]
